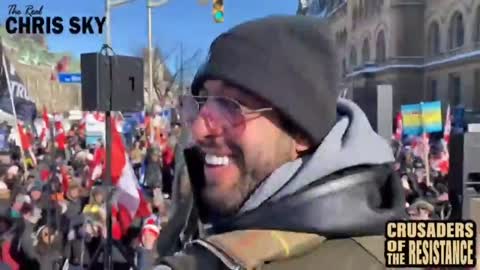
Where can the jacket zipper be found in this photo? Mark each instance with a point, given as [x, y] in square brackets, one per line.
[219, 254]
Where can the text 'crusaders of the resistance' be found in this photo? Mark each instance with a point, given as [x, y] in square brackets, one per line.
[430, 243]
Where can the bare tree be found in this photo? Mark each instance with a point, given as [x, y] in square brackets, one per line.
[167, 81]
[302, 7]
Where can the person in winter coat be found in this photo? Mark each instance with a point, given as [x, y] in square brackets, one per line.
[168, 160]
[22, 248]
[279, 158]
[74, 200]
[95, 209]
[7, 231]
[153, 171]
[49, 248]
[72, 220]
[183, 223]
[137, 156]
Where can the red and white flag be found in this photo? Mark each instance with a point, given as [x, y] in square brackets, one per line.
[96, 166]
[99, 116]
[25, 141]
[447, 129]
[83, 122]
[44, 134]
[65, 179]
[442, 163]
[61, 137]
[421, 145]
[399, 128]
[129, 196]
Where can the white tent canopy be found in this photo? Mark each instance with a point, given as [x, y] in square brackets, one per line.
[6, 117]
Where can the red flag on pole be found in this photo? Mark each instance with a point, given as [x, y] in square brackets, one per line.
[448, 126]
[399, 128]
[24, 138]
[45, 128]
[130, 200]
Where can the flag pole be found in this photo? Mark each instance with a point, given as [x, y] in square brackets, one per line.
[425, 146]
[7, 76]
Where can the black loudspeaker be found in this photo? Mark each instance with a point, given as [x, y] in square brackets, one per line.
[464, 175]
[128, 80]
[123, 75]
[377, 103]
[96, 81]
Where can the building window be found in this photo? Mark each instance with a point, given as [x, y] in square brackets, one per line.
[476, 28]
[433, 39]
[353, 57]
[368, 7]
[354, 16]
[381, 47]
[365, 51]
[456, 31]
[432, 86]
[455, 89]
[379, 5]
[362, 9]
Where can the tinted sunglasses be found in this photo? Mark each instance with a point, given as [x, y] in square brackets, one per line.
[223, 111]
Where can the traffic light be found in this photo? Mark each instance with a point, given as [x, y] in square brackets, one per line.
[218, 11]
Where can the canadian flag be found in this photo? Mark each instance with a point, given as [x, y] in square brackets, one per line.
[44, 134]
[96, 166]
[61, 137]
[442, 163]
[448, 126]
[65, 179]
[129, 197]
[399, 128]
[421, 145]
[100, 117]
[24, 138]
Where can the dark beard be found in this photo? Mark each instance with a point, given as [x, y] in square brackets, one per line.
[227, 205]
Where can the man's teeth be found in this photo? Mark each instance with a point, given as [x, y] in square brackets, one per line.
[216, 160]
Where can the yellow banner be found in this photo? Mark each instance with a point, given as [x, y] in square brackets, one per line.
[412, 120]
[432, 117]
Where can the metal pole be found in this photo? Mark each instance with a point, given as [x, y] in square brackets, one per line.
[108, 40]
[108, 175]
[107, 249]
[150, 55]
[181, 69]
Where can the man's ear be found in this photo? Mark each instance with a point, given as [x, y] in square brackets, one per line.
[302, 143]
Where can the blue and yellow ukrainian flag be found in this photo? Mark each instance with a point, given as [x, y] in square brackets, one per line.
[432, 116]
[423, 117]
[412, 120]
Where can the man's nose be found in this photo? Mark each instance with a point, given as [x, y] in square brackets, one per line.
[206, 125]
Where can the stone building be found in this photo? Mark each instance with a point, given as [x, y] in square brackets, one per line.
[427, 49]
[46, 93]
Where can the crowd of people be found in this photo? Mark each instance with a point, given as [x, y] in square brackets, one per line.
[53, 214]
[425, 185]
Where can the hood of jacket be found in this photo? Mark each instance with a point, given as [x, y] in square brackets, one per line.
[347, 187]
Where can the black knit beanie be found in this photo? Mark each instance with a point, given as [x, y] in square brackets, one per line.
[289, 61]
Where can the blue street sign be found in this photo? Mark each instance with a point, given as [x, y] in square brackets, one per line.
[69, 77]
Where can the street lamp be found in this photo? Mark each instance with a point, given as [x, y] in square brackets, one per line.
[150, 5]
[109, 4]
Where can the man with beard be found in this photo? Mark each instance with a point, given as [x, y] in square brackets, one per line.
[286, 175]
